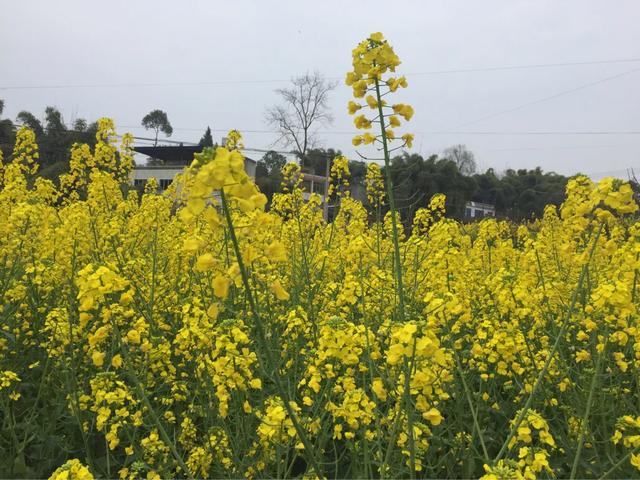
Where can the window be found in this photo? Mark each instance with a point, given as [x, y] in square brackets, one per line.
[318, 187]
[139, 182]
[164, 183]
[306, 185]
[469, 213]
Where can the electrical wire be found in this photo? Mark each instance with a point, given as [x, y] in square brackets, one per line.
[271, 81]
[550, 97]
[424, 132]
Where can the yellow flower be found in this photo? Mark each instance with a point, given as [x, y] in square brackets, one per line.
[97, 358]
[361, 122]
[276, 251]
[221, 286]
[408, 139]
[367, 138]
[205, 262]
[72, 470]
[256, 383]
[192, 244]
[133, 336]
[213, 311]
[405, 111]
[582, 356]
[433, 415]
[116, 361]
[378, 388]
[279, 291]
[353, 107]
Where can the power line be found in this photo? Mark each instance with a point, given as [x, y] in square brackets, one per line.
[338, 132]
[558, 147]
[550, 97]
[609, 172]
[270, 81]
[523, 67]
[428, 132]
[575, 132]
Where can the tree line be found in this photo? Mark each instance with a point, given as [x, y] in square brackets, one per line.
[516, 194]
[54, 138]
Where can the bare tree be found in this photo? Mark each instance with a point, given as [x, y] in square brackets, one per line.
[304, 106]
[462, 157]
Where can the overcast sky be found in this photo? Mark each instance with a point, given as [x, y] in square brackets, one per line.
[253, 47]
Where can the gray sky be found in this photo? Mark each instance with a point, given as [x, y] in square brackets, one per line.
[253, 47]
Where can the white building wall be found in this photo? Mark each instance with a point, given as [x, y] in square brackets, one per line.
[165, 174]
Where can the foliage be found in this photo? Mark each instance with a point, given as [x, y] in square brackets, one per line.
[7, 137]
[207, 139]
[56, 140]
[157, 121]
[521, 194]
[268, 173]
[417, 179]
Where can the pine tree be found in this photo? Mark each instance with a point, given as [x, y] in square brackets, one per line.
[207, 139]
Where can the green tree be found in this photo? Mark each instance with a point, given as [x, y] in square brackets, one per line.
[28, 119]
[520, 194]
[7, 134]
[316, 159]
[157, 121]
[269, 173]
[55, 142]
[417, 179]
[55, 139]
[272, 162]
[207, 139]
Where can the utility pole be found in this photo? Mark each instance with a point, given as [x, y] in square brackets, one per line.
[325, 209]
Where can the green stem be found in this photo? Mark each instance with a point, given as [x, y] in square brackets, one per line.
[284, 395]
[392, 206]
[556, 344]
[585, 418]
[156, 420]
[398, 273]
[620, 462]
[473, 410]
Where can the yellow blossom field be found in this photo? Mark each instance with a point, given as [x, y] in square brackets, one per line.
[192, 334]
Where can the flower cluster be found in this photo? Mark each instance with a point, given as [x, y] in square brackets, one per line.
[373, 58]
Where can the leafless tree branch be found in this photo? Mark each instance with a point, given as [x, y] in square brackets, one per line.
[304, 106]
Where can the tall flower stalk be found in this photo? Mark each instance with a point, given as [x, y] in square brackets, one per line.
[373, 58]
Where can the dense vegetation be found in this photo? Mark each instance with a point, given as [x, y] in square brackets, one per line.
[516, 195]
[195, 334]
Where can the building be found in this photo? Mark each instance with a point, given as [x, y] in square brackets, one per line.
[175, 159]
[312, 183]
[478, 211]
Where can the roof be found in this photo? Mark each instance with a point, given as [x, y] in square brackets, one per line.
[487, 206]
[174, 155]
[313, 177]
